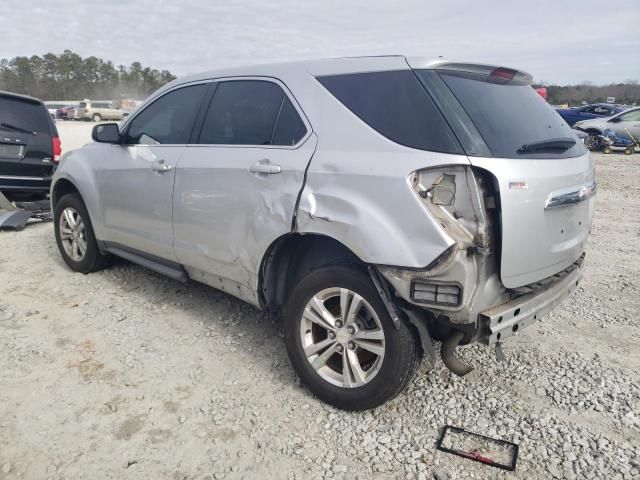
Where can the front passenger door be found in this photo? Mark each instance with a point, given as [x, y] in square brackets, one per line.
[135, 179]
[628, 123]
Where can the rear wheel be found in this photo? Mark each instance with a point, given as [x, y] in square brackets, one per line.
[607, 150]
[74, 235]
[96, 117]
[342, 341]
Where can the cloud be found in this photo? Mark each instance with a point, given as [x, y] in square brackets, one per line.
[556, 41]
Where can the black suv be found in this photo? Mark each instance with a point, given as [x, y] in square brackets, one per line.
[29, 146]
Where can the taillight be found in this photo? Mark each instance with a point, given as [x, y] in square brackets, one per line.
[503, 73]
[57, 148]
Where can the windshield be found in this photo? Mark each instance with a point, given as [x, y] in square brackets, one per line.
[509, 116]
[23, 115]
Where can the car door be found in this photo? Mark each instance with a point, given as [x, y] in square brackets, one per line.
[237, 189]
[627, 125]
[135, 179]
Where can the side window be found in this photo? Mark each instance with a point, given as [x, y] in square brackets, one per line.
[251, 112]
[289, 128]
[169, 119]
[396, 105]
[633, 116]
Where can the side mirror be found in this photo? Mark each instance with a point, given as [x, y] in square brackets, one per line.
[106, 133]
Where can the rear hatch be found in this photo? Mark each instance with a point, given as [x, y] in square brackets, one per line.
[544, 174]
[26, 138]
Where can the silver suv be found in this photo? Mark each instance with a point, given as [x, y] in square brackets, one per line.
[378, 204]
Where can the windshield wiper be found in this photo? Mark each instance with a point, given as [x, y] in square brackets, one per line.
[564, 143]
[16, 128]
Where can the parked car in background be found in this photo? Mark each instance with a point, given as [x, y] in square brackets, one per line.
[67, 112]
[587, 112]
[625, 124]
[29, 146]
[96, 111]
[376, 203]
[52, 108]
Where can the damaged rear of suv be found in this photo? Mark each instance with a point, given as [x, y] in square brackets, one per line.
[378, 204]
[479, 236]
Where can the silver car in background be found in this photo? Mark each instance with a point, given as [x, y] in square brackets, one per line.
[625, 124]
[378, 204]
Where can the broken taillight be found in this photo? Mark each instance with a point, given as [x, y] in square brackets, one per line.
[56, 145]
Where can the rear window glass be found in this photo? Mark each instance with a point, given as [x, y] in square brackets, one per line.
[509, 116]
[396, 105]
[16, 115]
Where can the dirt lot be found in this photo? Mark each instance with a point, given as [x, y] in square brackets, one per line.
[125, 374]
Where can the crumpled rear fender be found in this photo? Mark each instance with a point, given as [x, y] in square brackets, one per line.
[364, 200]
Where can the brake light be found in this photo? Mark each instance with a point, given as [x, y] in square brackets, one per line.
[56, 144]
[503, 73]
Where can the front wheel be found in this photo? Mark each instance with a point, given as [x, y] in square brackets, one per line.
[96, 117]
[74, 235]
[342, 342]
[592, 142]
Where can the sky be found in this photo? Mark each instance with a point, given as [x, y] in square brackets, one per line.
[557, 41]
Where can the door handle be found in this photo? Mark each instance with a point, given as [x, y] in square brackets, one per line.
[161, 166]
[265, 167]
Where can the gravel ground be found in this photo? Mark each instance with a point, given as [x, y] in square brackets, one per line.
[126, 374]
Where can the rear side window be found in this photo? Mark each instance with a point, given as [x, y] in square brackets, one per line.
[511, 115]
[396, 105]
[251, 112]
[18, 115]
[169, 119]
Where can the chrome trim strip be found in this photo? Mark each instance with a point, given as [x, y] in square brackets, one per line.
[572, 195]
[11, 177]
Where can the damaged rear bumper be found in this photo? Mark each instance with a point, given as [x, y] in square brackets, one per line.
[502, 321]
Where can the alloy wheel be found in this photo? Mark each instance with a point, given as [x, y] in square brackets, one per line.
[73, 234]
[342, 337]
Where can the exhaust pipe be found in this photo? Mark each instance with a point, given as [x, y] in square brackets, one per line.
[447, 352]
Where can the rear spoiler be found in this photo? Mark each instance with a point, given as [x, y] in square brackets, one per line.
[478, 71]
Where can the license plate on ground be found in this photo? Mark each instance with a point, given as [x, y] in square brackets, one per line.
[13, 152]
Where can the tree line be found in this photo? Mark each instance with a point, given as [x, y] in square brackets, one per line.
[627, 93]
[68, 76]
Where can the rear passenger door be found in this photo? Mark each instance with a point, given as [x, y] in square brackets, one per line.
[236, 189]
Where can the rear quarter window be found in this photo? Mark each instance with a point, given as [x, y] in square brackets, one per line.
[16, 113]
[396, 105]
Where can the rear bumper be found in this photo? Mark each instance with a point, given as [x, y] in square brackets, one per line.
[502, 321]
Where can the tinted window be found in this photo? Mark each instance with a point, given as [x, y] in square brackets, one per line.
[397, 106]
[169, 119]
[509, 116]
[289, 127]
[23, 114]
[244, 112]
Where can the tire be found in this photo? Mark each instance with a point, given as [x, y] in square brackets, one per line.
[91, 259]
[96, 117]
[606, 150]
[386, 375]
[592, 142]
[628, 151]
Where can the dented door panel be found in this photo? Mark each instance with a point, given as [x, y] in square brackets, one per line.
[226, 215]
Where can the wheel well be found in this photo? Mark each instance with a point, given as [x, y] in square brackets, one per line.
[60, 189]
[293, 256]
